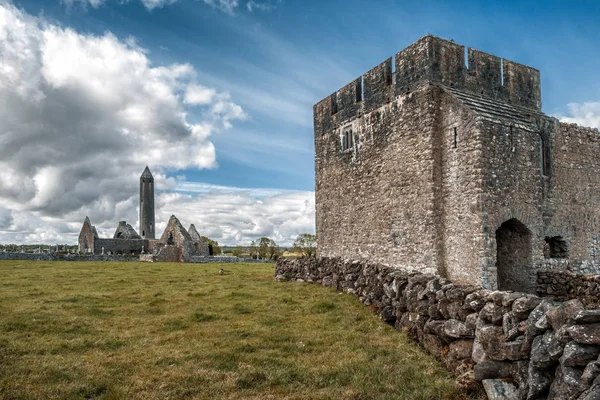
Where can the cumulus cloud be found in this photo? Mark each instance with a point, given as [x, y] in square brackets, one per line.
[239, 216]
[198, 94]
[586, 114]
[232, 216]
[80, 117]
[6, 218]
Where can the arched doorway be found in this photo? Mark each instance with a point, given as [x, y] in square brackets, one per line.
[513, 261]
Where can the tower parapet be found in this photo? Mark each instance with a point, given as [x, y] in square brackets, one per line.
[437, 61]
[147, 205]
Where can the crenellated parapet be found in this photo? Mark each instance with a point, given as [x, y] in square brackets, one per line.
[437, 61]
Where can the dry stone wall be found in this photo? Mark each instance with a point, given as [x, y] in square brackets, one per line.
[520, 346]
[564, 285]
[67, 257]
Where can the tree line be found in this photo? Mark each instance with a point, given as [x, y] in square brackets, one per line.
[265, 248]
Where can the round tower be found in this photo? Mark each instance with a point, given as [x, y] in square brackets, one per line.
[147, 204]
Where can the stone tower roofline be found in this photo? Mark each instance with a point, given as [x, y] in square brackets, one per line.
[433, 60]
[146, 173]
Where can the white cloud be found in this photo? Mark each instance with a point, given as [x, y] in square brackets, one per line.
[231, 216]
[255, 5]
[586, 114]
[80, 117]
[206, 188]
[227, 6]
[199, 95]
[238, 217]
[149, 4]
[6, 218]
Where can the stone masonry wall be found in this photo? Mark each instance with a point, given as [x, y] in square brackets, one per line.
[375, 199]
[121, 246]
[565, 285]
[456, 173]
[520, 346]
[572, 206]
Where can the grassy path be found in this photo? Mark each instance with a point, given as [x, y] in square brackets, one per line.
[175, 331]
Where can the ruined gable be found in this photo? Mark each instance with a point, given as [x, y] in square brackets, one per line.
[125, 231]
[200, 246]
[175, 234]
[87, 236]
[175, 244]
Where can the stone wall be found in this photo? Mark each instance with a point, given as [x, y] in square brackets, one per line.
[67, 257]
[520, 346]
[121, 246]
[225, 259]
[375, 199]
[564, 285]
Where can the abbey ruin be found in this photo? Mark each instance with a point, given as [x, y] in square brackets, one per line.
[426, 162]
[175, 245]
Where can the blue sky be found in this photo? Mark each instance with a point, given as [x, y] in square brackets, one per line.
[277, 63]
[274, 59]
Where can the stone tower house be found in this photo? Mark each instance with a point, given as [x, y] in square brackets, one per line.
[427, 162]
[147, 205]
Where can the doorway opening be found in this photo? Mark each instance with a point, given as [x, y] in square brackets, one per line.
[513, 259]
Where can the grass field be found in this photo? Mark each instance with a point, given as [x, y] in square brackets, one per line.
[174, 331]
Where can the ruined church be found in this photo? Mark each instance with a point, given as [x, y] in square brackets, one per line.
[426, 161]
[175, 245]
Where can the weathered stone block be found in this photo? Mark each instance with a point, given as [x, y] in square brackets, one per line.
[578, 355]
[498, 389]
[457, 329]
[459, 350]
[492, 370]
[585, 334]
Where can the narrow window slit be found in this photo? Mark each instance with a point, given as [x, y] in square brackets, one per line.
[455, 139]
[359, 90]
[544, 161]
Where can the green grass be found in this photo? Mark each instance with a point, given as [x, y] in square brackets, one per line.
[182, 331]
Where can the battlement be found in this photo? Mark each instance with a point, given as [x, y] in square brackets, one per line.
[435, 60]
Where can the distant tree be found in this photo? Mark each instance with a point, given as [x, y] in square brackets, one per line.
[267, 248]
[238, 251]
[11, 247]
[263, 247]
[274, 251]
[253, 250]
[306, 244]
[215, 245]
